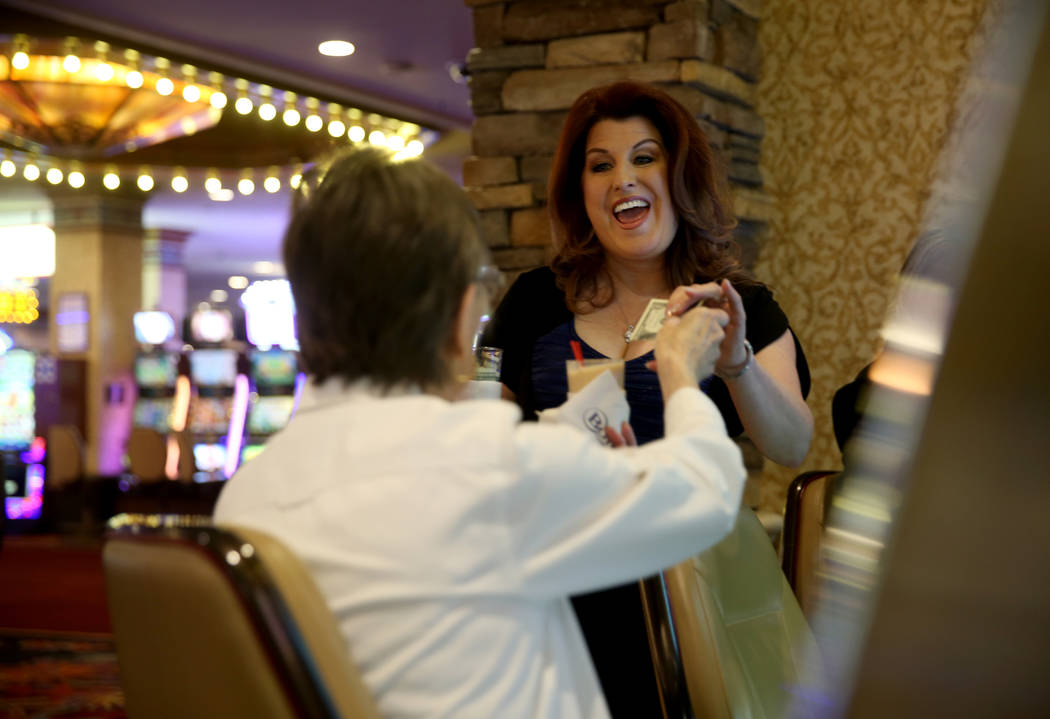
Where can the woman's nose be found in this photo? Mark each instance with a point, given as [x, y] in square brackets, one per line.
[625, 176]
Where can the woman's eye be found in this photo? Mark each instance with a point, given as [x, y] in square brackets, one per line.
[600, 166]
[643, 160]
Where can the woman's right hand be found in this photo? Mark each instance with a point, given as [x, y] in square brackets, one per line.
[687, 347]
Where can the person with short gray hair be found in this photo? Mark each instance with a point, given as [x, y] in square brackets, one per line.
[445, 534]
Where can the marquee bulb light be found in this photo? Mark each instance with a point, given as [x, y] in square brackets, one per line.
[314, 123]
[165, 86]
[212, 185]
[31, 172]
[75, 179]
[356, 133]
[104, 72]
[20, 60]
[133, 79]
[191, 93]
[336, 128]
[246, 186]
[218, 100]
[145, 182]
[243, 105]
[179, 183]
[291, 117]
[395, 143]
[54, 175]
[414, 148]
[71, 64]
[272, 184]
[111, 180]
[267, 111]
[294, 180]
[7, 168]
[377, 138]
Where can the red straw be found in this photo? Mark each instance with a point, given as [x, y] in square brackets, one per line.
[577, 350]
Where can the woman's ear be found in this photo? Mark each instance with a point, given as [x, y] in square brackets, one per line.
[465, 326]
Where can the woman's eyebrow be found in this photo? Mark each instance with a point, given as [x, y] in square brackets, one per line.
[636, 145]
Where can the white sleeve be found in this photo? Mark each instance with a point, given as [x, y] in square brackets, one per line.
[585, 517]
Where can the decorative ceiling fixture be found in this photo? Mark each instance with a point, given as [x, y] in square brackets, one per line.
[71, 109]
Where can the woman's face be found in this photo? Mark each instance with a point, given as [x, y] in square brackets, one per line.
[625, 189]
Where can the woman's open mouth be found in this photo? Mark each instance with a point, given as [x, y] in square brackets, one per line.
[631, 213]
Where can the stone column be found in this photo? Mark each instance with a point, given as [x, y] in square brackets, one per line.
[98, 254]
[534, 58]
[164, 274]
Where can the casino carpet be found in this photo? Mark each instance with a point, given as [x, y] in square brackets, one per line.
[47, 676]
[56, 654]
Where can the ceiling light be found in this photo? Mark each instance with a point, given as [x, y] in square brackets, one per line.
[272, 184]
[191, 93]
[31, 172]
[71, 64]
[263, 268]
[111, 180]
[145, 182]
[377, 138]
[314, 123]
[336, 128]
[356, 133]
[133, 79]
[218, 100]
[75, 179]
[20, 60]
[104, 72]
[180, 183]
[267, 111]
[291, 117]
[224, 194]
[246, 186]
[218, 296]
[414, 148]
[7, 168]
[212, 185]
[336, 48]
[54, 175]
[243, 105]
[237, 282]
[164, 86]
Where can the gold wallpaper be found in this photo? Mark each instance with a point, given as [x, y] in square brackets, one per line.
[858, 97]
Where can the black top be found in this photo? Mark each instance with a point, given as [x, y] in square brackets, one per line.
[533, 326]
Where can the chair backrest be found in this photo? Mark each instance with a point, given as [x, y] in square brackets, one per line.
[65, 455]
[147, 452]
[804, 532]
[224, 622]
[739, 634]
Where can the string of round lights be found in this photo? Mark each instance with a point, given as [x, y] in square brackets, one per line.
[207, 96]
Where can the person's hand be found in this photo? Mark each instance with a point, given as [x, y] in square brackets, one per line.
[733, 354]
[624, 438]
[687, 347]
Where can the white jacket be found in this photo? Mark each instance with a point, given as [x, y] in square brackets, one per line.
[447, 537]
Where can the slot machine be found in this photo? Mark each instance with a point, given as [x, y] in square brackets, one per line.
[156, 372]
[214, 370]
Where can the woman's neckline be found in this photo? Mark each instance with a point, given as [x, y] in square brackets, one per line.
[583, 343]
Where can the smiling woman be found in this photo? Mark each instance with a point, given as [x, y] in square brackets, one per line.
[638, 210]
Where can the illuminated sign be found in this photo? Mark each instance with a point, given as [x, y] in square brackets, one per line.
[19, 305]
[269, 311]
[28, 251]
[153, 328]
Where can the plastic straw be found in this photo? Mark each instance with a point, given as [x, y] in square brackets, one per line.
[577, 350]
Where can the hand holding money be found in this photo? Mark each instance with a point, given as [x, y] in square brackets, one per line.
[687, 347]
[681, 299]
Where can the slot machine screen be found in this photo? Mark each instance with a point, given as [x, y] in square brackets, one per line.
[209, 457]
[270, 414]
[154, 414]
[211, 368]
[274, 368]
[17, 402]
[155, 370]
[250, 451]
[210, 415]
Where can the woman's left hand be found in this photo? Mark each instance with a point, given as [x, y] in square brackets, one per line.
[734, 354]
[725, 297]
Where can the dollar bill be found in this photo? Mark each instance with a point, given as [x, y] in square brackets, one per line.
[650, 322]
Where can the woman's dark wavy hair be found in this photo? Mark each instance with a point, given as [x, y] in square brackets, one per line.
[379, 254]
[702, 247]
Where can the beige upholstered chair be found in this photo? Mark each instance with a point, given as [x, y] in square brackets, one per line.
[735, 637]
[807, 501]
[223, 622]
[65, 455]
[147, 452]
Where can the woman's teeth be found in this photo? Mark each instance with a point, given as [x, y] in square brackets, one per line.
[630, 210]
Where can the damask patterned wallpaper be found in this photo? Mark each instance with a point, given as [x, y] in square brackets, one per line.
[858, 97]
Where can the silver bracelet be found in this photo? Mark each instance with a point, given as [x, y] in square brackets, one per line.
[740, 369]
